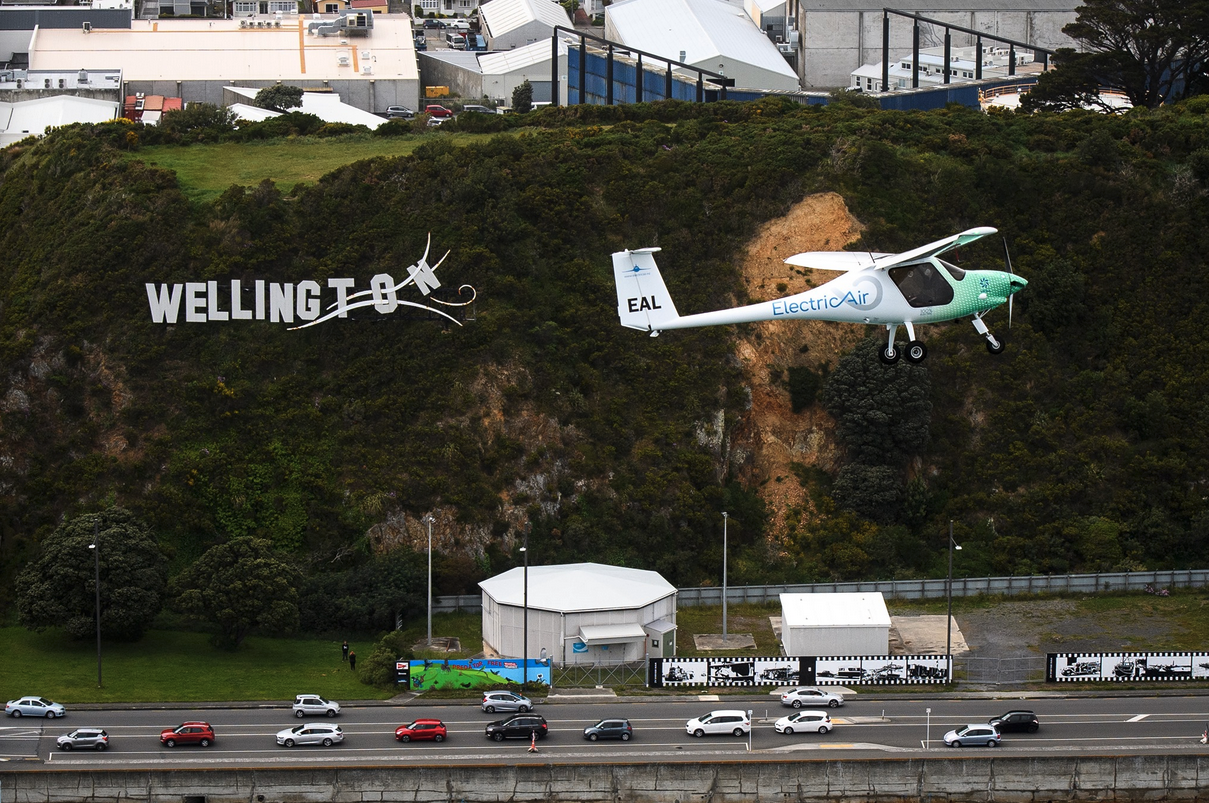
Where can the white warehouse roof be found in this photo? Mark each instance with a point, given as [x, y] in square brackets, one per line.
[505, 61]
[327, 106]
[502, 16]
[834, 610]
[578, 587]
[710, 33]
[32, 117]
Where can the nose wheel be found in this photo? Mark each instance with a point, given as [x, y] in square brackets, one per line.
[993, 345]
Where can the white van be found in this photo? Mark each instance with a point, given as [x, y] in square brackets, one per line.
[458, 25]
[455, 41]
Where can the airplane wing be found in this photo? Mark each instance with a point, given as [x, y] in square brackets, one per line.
[836, 260]
[935, 249]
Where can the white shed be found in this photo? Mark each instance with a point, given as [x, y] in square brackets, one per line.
[580, 613]
[835, 624]
[515, 23]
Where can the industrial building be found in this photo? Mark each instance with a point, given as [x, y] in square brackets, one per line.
[835, 624]
[515, 23]
[580, 613]
[493, 76]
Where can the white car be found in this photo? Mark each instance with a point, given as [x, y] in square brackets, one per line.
[34, 707]
[318, 733]
[733, 722]
[973, 735]
[505, 701]
[804, 722]
[314, 705]
[808, 695]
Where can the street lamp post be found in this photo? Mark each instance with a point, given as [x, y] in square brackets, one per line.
[725, 518]
[428, 521]
[525, 650]
[949, 593]
[96, 555]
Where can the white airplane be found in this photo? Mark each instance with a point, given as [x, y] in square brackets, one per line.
[890, 290]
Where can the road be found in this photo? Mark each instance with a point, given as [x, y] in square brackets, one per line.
[864, 728]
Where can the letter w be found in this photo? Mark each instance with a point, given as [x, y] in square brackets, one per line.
[164, 305]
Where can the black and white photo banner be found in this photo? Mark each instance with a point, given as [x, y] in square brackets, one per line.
[834, 670]
[1126, 666]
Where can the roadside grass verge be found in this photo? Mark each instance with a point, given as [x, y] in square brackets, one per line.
[175, 666]
[464, 626]
[207, 171]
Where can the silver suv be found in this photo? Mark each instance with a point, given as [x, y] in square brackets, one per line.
[314, 705]
[84, 738]
[505, 701]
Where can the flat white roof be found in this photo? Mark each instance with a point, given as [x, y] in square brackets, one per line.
[32, 117]
[505, 61]
[578, 587]
[219, 50]
[834, 610]
[502, 16]
[611, 634]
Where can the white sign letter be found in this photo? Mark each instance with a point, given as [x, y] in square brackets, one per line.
[237, 311]
[213, 311]
[164, 304]
[308, 300]
[341, 286]
[385, 300]
[193, 303]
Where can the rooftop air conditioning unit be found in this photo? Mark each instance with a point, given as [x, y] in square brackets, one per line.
[243, 23]
[88, 27]
[342, 61]
[82, 77]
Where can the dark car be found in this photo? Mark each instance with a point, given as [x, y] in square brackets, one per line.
[522, 726]
[610, 729]
[421, 42]
[434, 23]
[1016, 722]
[188, 733]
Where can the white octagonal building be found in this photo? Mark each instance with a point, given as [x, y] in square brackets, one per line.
[580, 613]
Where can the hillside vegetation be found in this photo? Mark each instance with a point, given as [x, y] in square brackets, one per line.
[1082, 447]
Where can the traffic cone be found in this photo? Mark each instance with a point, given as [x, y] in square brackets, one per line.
[533, 742]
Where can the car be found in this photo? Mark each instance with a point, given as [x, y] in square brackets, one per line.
[433, 122]
[315, 733]
[434, 24]
[33, 706]
[474, 107]
[437, 110]
[505, 701]
[421, 42]
[421, 730]
[1016, 722]
[973, 735]
[808, 695]
[188, 733]
[804, 722]
[399, 113]
[610, 729]
[521, 726]
[735, 722]
[84, 738]
[314, 705]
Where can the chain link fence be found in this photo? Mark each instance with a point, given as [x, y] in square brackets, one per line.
[999, 671]
[579, 676]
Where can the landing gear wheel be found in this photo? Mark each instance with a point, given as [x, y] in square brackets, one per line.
[889, 356]
[996, 347]
[916, 351]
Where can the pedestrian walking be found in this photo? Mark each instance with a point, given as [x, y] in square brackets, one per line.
[344, 651]
[352, 660]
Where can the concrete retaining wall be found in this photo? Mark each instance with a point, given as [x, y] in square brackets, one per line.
[1002, 779]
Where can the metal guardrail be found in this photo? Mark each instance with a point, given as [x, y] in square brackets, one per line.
[916, 589]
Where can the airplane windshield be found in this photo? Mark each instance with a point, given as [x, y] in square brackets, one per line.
[922, 284]
[954, 271]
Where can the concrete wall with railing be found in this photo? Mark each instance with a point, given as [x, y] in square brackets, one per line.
[917, 589]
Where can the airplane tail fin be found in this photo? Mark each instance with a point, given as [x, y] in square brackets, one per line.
[643, 301]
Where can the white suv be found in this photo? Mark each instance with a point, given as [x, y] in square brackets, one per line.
[735, 722]
[313, 704]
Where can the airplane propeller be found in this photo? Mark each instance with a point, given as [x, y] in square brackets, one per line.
[1008, 258]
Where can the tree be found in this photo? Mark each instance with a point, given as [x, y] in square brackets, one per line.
[58, 589]
[522, 97]
[279, 98]
[239, 586]
[198, 117]
[1154, 51]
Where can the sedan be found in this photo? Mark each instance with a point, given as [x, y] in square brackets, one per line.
[804, 722]
[519, 727]
[808, 695]
[34, 707]
[973, 735]
[421, 730]
[610, 729]
[83, 738]
[320, 733]
[1016, 722]
[505, 701]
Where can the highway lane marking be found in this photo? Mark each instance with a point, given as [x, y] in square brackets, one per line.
[1138, 718]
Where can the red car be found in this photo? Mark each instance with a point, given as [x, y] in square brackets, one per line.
[421, 729]
[437, 110]
[188, 733]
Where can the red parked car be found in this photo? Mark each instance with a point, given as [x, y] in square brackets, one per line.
[420, 730]
[188, 733]
[436, 110]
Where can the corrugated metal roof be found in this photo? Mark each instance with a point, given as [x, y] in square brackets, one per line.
[834, 610]
[504, 61]
[502, 16]
[578, 587]
[32, 117]
[703, 29]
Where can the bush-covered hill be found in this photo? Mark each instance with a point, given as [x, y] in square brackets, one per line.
[1082, 447]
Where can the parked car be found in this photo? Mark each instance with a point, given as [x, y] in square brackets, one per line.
[610, 729]
[188, 733]
[422, 730]
[399, 113]
[735, 722]
[973, 735]
[1016, 722]
[521, 726]
[434, 23]
[505, 701]
[33, 707]
[808, 695]
[421, 42]
[804, 722]
[438, 111]
[317, 733]
[83, 738]
[433, 122]
[314, 705]
[474, 107]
